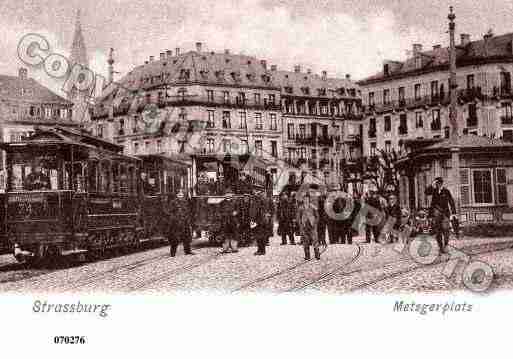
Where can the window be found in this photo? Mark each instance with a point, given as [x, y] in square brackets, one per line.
[401, 96]
[274, 148]
[505, 83]
[302, 131]
[482, 186]
[121, 131]
[226, 146]
[419, 123]
[258, 121]
[403, 124]
[99, 130]
[147, 147]
[272, 99]
[159, 146]
[386, 96]
[242, 120]
[182, 93]
[435, 122]
[210, 145]
[502, 190]
[470, 82]
[371, 99]
[274, 123]
[136, 148]
[210, 119]
[417, 92]
[210, 95]
[507, 135]
[418, 62]
[388, 124]
[302, 152]
[506, 115]
[372, 149]
[472, 115]
[181, 146]
[290, 131]
[258, 147]
[372, 128]
[226, 97]
[258, 99]
[434, 90]
[388, 146]
[226, 119]
[241, 98]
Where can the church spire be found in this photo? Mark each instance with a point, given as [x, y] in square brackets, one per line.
[78, 48]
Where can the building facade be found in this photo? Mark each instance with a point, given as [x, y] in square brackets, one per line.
[410, 99]
[321, 123]
[310, 121]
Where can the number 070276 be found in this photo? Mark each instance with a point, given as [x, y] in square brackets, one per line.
[69, 339]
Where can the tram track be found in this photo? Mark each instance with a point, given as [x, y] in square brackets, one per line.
[369, 283]
[288, 269]
[179, 270]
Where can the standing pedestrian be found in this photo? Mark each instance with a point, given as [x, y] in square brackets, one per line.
[393, 216]
[180, 224]
[261, 223]
[244, 220]
[323, 219]
[374, 216]
[285, 221]
[230, 224]
[442, 209]
[308, 219]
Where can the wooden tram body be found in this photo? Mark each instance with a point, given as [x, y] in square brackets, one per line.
[95, 200]
[216, 178]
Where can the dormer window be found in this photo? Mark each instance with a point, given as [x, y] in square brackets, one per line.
[322, 92]
[288, 89]
[386, 69]
[341, 91]
[305, 90]
[418, 62]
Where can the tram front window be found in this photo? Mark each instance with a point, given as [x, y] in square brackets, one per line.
[34, 175]
[149, 183]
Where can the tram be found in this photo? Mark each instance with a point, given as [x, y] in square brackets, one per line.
[217, 178]
[68, 192]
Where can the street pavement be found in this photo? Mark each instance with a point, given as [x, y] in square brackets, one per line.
[357, 268]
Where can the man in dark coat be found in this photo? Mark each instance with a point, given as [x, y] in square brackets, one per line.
[244, 220]
[442, 209]
[373, 216]
[261, 222]
[180, 224]
[393, 214]
[285, 219]
[307, 219]
[323, 219]
[230, 224]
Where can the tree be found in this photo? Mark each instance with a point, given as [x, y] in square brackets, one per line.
[380, 170]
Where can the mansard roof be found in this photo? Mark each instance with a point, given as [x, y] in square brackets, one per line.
[27, 89]
[489, 50]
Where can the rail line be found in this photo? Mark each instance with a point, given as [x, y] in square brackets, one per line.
[179, 270]
[369, 283]
[282, 271]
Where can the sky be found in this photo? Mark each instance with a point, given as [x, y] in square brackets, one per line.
[338, 36]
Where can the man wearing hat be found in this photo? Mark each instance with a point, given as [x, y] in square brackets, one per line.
[37, 180]
[230, 224]
[180, 224]
[308, 219]
[442, 209]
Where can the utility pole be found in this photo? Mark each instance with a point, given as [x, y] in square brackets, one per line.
[453, 86]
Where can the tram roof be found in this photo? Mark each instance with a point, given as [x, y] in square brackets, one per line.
[183, 160]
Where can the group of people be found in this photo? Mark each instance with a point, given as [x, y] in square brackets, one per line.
[314, 218]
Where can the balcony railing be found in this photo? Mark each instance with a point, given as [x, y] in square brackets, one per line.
[436, 126]
[470, 95]
[403, 130]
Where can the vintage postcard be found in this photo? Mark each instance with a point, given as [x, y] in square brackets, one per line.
[244, 169]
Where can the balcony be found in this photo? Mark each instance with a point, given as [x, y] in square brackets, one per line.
[470, 95]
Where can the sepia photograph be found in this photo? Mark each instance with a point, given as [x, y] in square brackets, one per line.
[182, 159]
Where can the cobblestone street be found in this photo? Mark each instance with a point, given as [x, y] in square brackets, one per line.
[361, 267]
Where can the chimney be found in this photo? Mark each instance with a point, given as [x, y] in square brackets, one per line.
[437, 47]
[227, 51]
[22, 73]
[274, 68]
[488, 35]
[297, 68]
[152, 58]
[417, 48]
[348, 76]
[324, 75]
[162, 55]
[169, 54]
[177, 51]
[309, 71]
[264, 64]
[198, 46]
[464, 39]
